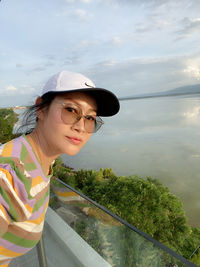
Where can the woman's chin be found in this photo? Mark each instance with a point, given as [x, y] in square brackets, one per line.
[72, 152]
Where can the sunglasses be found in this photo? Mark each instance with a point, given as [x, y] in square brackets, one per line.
[71, 114]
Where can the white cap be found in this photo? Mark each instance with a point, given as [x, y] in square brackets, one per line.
[66, 81]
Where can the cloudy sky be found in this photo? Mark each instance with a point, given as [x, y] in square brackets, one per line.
[130, 46]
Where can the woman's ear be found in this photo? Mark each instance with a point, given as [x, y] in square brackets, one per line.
[39, 112]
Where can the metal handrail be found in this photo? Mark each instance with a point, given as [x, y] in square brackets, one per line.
[41, 253]
[194, 251]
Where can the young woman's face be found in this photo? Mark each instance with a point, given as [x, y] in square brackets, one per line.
[59, 136]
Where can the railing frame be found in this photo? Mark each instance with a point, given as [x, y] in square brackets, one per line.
[146, 236]
[41, 253]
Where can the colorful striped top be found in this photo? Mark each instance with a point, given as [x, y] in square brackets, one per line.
[24, 197]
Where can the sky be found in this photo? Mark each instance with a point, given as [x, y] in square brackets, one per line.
[128, 46]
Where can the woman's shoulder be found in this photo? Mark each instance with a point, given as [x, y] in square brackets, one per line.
[7, 149]
[7, 155]
[15, 152]
[20, 156]
[15, 161]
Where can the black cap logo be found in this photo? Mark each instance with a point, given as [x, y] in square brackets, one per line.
[89, 85]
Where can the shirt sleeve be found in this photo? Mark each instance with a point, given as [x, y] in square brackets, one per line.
[13, 199]
[6, 205]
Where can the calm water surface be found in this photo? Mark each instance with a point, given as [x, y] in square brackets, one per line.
[153, 137]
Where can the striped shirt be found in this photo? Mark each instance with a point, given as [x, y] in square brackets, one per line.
[24, 197]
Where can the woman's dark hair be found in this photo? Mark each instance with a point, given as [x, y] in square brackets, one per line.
[29, 118]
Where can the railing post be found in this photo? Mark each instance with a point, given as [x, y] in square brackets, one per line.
[41, 253]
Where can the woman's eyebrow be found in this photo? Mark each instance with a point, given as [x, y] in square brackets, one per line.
[92, 110]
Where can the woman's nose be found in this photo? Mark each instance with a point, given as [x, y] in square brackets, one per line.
[79, 125]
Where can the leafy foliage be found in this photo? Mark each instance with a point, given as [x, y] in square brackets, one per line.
[63, 172]
[7, 120]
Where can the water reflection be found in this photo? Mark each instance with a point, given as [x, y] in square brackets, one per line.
[152, 137]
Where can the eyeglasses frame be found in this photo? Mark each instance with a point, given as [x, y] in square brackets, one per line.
[98, 123]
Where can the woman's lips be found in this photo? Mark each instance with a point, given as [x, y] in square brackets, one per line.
[74, 140]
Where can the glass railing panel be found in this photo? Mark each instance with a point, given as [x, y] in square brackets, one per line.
[119, 243]
[29, 259]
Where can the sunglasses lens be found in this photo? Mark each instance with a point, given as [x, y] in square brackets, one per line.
[71, 114]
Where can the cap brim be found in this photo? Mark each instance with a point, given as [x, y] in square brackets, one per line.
[107, 102]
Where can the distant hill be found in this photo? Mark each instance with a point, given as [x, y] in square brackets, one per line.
[189, 89]
[184, 90]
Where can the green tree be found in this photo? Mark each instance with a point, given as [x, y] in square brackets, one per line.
[150, 207]
[7, 120]
[64, 173]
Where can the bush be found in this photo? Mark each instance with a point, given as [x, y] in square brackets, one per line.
[7, 120]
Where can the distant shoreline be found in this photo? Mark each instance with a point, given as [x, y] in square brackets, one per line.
[14, 108]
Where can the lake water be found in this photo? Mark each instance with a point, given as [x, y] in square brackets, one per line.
[153, 137]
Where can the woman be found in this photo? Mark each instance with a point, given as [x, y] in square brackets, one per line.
[65, 116]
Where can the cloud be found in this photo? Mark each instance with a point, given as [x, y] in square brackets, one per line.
[116, 40]
[75, 13]
[50, 57]
[143, 3]
[83, 47]
[192, 68]
[26, 89]
[81, 1]
[72, 60]
[107, 63]
[82, 14]
[145, 75]
[82, 44]
[10, 88]
[39, 68]
[143, 27]
[189, 26]
[69, 1]
[152, 23]
[85, 1]
[19, 65]
[157, 3]
[136, 76]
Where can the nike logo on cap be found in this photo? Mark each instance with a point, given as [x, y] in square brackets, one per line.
[89, 85]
